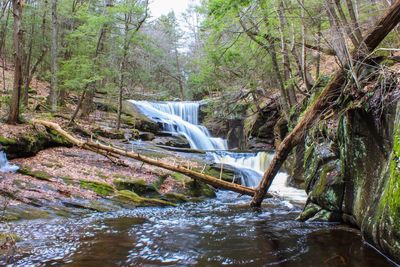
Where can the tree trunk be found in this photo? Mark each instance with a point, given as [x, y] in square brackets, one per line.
[53, 96]
[353, 17]
[331, 92]
[110, 150]
[13, 116]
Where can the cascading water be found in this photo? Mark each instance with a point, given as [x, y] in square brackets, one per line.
[5, 166]
[182, 118]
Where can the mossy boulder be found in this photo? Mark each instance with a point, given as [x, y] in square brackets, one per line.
[100, 188]
[133, 117]
[29, 142]
[199, 189]
[140, 187]
[134, 199]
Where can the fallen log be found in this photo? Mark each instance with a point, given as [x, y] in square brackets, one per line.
[330, 94]
[104, 149]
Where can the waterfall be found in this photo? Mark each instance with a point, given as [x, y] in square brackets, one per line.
[181, 118]
[5, 166]
[250, 166]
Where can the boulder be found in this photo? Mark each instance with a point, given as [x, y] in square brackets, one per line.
[134, 118]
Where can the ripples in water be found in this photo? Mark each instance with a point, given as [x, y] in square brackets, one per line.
[223, 231]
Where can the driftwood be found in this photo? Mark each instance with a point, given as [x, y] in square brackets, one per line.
[329, 95]
[109, 150]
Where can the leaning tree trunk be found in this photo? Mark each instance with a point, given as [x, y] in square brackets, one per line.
[114, 151]
[13, 117]
[331, 92]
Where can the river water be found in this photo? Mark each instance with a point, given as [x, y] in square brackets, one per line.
[220, 231]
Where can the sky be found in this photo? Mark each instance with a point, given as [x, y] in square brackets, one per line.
[163, 7]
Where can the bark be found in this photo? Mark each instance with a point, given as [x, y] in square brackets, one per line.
[110, 150]
[354, 21]
[331, 92]
[53, 96]
[345, 24]
[338, 41]
[18, 34]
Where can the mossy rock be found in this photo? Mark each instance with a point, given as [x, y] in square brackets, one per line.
[7, 141]
[132, 198]
[138, 186]
[100, 188]
[175, 197]
[41, 175]
[31, 141]
[199, 189]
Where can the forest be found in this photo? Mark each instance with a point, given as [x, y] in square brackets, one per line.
[215, 132]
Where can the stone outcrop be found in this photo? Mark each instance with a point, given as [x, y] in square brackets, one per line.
[352, 174]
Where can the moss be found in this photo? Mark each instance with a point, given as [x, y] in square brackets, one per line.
[133, 198]
[7, 141]
[179, 177]
[58, 138]
[67, 180]
[138, 186]
[100, 188]
[41, 175]
[199, 189]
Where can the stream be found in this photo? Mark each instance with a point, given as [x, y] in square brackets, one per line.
[220, 231]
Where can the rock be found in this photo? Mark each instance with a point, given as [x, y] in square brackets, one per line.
[109, 133]
[133, 117]
[100, 188]
[29, 142]
[173, 141]
[138, 186]
[146, 136]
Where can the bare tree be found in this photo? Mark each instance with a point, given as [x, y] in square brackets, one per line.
[13, 116]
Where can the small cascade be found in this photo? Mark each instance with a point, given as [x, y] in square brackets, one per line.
[5, 166]
[251, 167]
[182, 118]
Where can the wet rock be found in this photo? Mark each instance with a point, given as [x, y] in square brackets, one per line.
[140, 187]
[102, 189]
[173, 141]
[134, 118]
[146, 136]
[29, 142]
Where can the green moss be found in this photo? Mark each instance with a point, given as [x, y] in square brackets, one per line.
[41, 175]
[392, 193]
[133, 198]
[67, 180]
[58, 138]
[138, 186]
[179, 177]
[100, 188]
[199, 189]
[7, 141]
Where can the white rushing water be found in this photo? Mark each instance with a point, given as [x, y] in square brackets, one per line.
[182, 118]
[5, 166]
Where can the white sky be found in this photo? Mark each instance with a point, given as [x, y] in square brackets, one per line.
[163, 7]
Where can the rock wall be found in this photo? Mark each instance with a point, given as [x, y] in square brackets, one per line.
[352, 174]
